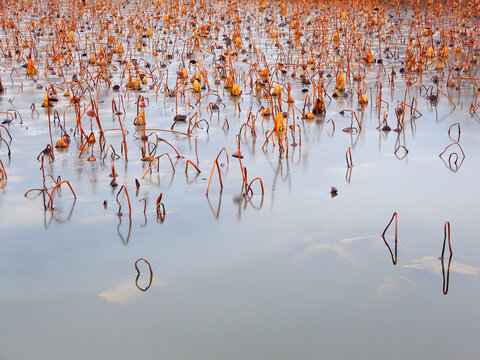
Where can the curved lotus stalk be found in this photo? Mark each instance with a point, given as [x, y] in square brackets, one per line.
[128, 200]
[446, 235]
[348, 157]
[138, 274]
[57, 185]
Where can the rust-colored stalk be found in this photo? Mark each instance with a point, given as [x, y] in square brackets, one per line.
[124, 189]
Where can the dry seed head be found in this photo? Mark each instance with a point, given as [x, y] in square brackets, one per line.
[136, 84]
[61, 143]
[319, 106]
[46, 100]
[277, 91]
[229, 82]
[369, 57]
[340, 85]
[31, 68]
[419, 68]
[430, 52]
[235, 91]
[197, 77]
[140, 119]
[196, 86]
[278, 123]
[364, 100]
[91, 139]
[444, 53]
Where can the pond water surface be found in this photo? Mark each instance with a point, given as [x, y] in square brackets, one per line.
[292, 273]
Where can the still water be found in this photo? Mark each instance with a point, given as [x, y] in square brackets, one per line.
[295, 273]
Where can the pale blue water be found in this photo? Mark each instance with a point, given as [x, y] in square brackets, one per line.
[293, 274]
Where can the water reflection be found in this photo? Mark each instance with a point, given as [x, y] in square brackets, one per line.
[394, 285]
[392, 254]
[193, 180]
[125, 240]
[451, 163]
[337, 249]
[447, 281]
[119, 293]
[299, 157]
[215, 213]
[401, 152]
[288, 169]
[348, 174]
[374, 243]
[452, 160]
[432, 265]
[279, 174]
[244, 199]
[249, 198]
[144, 209]
[354, 139]
[54, 218]
[454, 132]
[127, 291]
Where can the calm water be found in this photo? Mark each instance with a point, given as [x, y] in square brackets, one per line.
[293, 274]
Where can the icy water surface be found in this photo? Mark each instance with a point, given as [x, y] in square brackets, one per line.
[295, 273]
